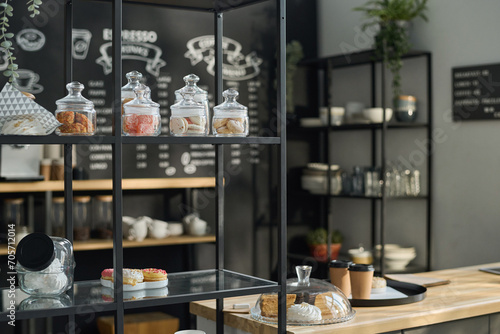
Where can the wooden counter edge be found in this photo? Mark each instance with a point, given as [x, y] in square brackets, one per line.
[445, 304]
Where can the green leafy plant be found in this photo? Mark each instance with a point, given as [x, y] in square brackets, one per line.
[319, 236]
[7, 11]
[392, 40]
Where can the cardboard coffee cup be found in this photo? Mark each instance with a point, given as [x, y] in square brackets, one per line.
[361, 280]
[339, 275]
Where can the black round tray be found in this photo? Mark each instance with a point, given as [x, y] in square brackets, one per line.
[414, 293]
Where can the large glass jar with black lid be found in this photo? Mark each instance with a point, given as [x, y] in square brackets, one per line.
[230, 117]
[127, 91]
[75, 112]
[141, 116]
[188, 117]
[45, 265]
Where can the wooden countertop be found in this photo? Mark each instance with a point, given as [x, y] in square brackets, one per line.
[471, 293]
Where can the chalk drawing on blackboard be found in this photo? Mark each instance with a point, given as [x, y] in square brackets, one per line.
[27, 81]
[146, 52]
[30, 40]
[170, 171]
[81, 42]
[235, 65]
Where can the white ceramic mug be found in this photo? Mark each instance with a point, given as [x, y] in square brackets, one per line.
[158, 229]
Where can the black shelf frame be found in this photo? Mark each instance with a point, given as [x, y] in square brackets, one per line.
[325, 66]
[216, 8]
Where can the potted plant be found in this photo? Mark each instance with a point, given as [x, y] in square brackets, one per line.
[392, 40]
[6, 37]
[317, 240]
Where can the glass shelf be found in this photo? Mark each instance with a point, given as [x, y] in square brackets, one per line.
[91, 296]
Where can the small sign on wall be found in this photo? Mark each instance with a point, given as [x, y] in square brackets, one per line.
[476, 92]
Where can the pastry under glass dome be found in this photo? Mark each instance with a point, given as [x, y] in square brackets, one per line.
[309, 302]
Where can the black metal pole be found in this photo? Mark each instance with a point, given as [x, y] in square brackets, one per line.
[219, 169]
[373, 75]
[281, 119]
[68, 42]
[117, 166]
[383, 201]
[429, 161]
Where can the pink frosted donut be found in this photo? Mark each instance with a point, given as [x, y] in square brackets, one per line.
[107, 274]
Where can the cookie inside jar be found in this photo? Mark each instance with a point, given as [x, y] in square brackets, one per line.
[188, 117]
[230, 117]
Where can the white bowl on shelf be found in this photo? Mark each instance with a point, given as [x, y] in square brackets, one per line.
[376, 115]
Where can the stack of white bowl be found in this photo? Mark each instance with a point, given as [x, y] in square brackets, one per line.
[396, 256]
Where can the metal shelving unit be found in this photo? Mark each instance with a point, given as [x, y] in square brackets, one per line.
[325, 66]
[217, 283]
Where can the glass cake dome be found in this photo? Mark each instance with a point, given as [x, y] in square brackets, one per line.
[309, 302]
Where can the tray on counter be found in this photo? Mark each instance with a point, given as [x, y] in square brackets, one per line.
[398, 293]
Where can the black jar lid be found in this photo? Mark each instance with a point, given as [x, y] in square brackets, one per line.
[361, 267]
[35, 251]
[340, 264]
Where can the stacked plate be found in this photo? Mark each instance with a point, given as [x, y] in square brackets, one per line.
[397, 257]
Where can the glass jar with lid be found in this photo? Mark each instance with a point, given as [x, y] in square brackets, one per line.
[102, 227]
[127, 91]
[15, 219]
[230, 118]
[188, 117]
[81, 226]
[57, 215]
[45, 265]
[76, 113]
[141, 116]
[200, 95]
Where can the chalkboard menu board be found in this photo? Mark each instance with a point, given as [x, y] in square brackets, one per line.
[476, 92]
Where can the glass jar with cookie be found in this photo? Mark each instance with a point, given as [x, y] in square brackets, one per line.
[188, 117]
[141, 116]
[75, 112]
[200, 95]
[230, 117]
[127, 91]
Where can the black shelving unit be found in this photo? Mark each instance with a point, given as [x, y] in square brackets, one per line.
[218, 283]
[324, 67]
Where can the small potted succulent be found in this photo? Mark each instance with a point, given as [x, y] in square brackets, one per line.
[317, 240]
[392, 40]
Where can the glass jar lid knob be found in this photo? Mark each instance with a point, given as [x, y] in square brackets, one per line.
[191, 79]
[303, 273]
[188, 93]
[230, 94]
[142, 91]
[134, 76]
[75, 88]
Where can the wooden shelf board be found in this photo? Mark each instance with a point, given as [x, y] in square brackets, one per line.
[96, 244]
[106, 184]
